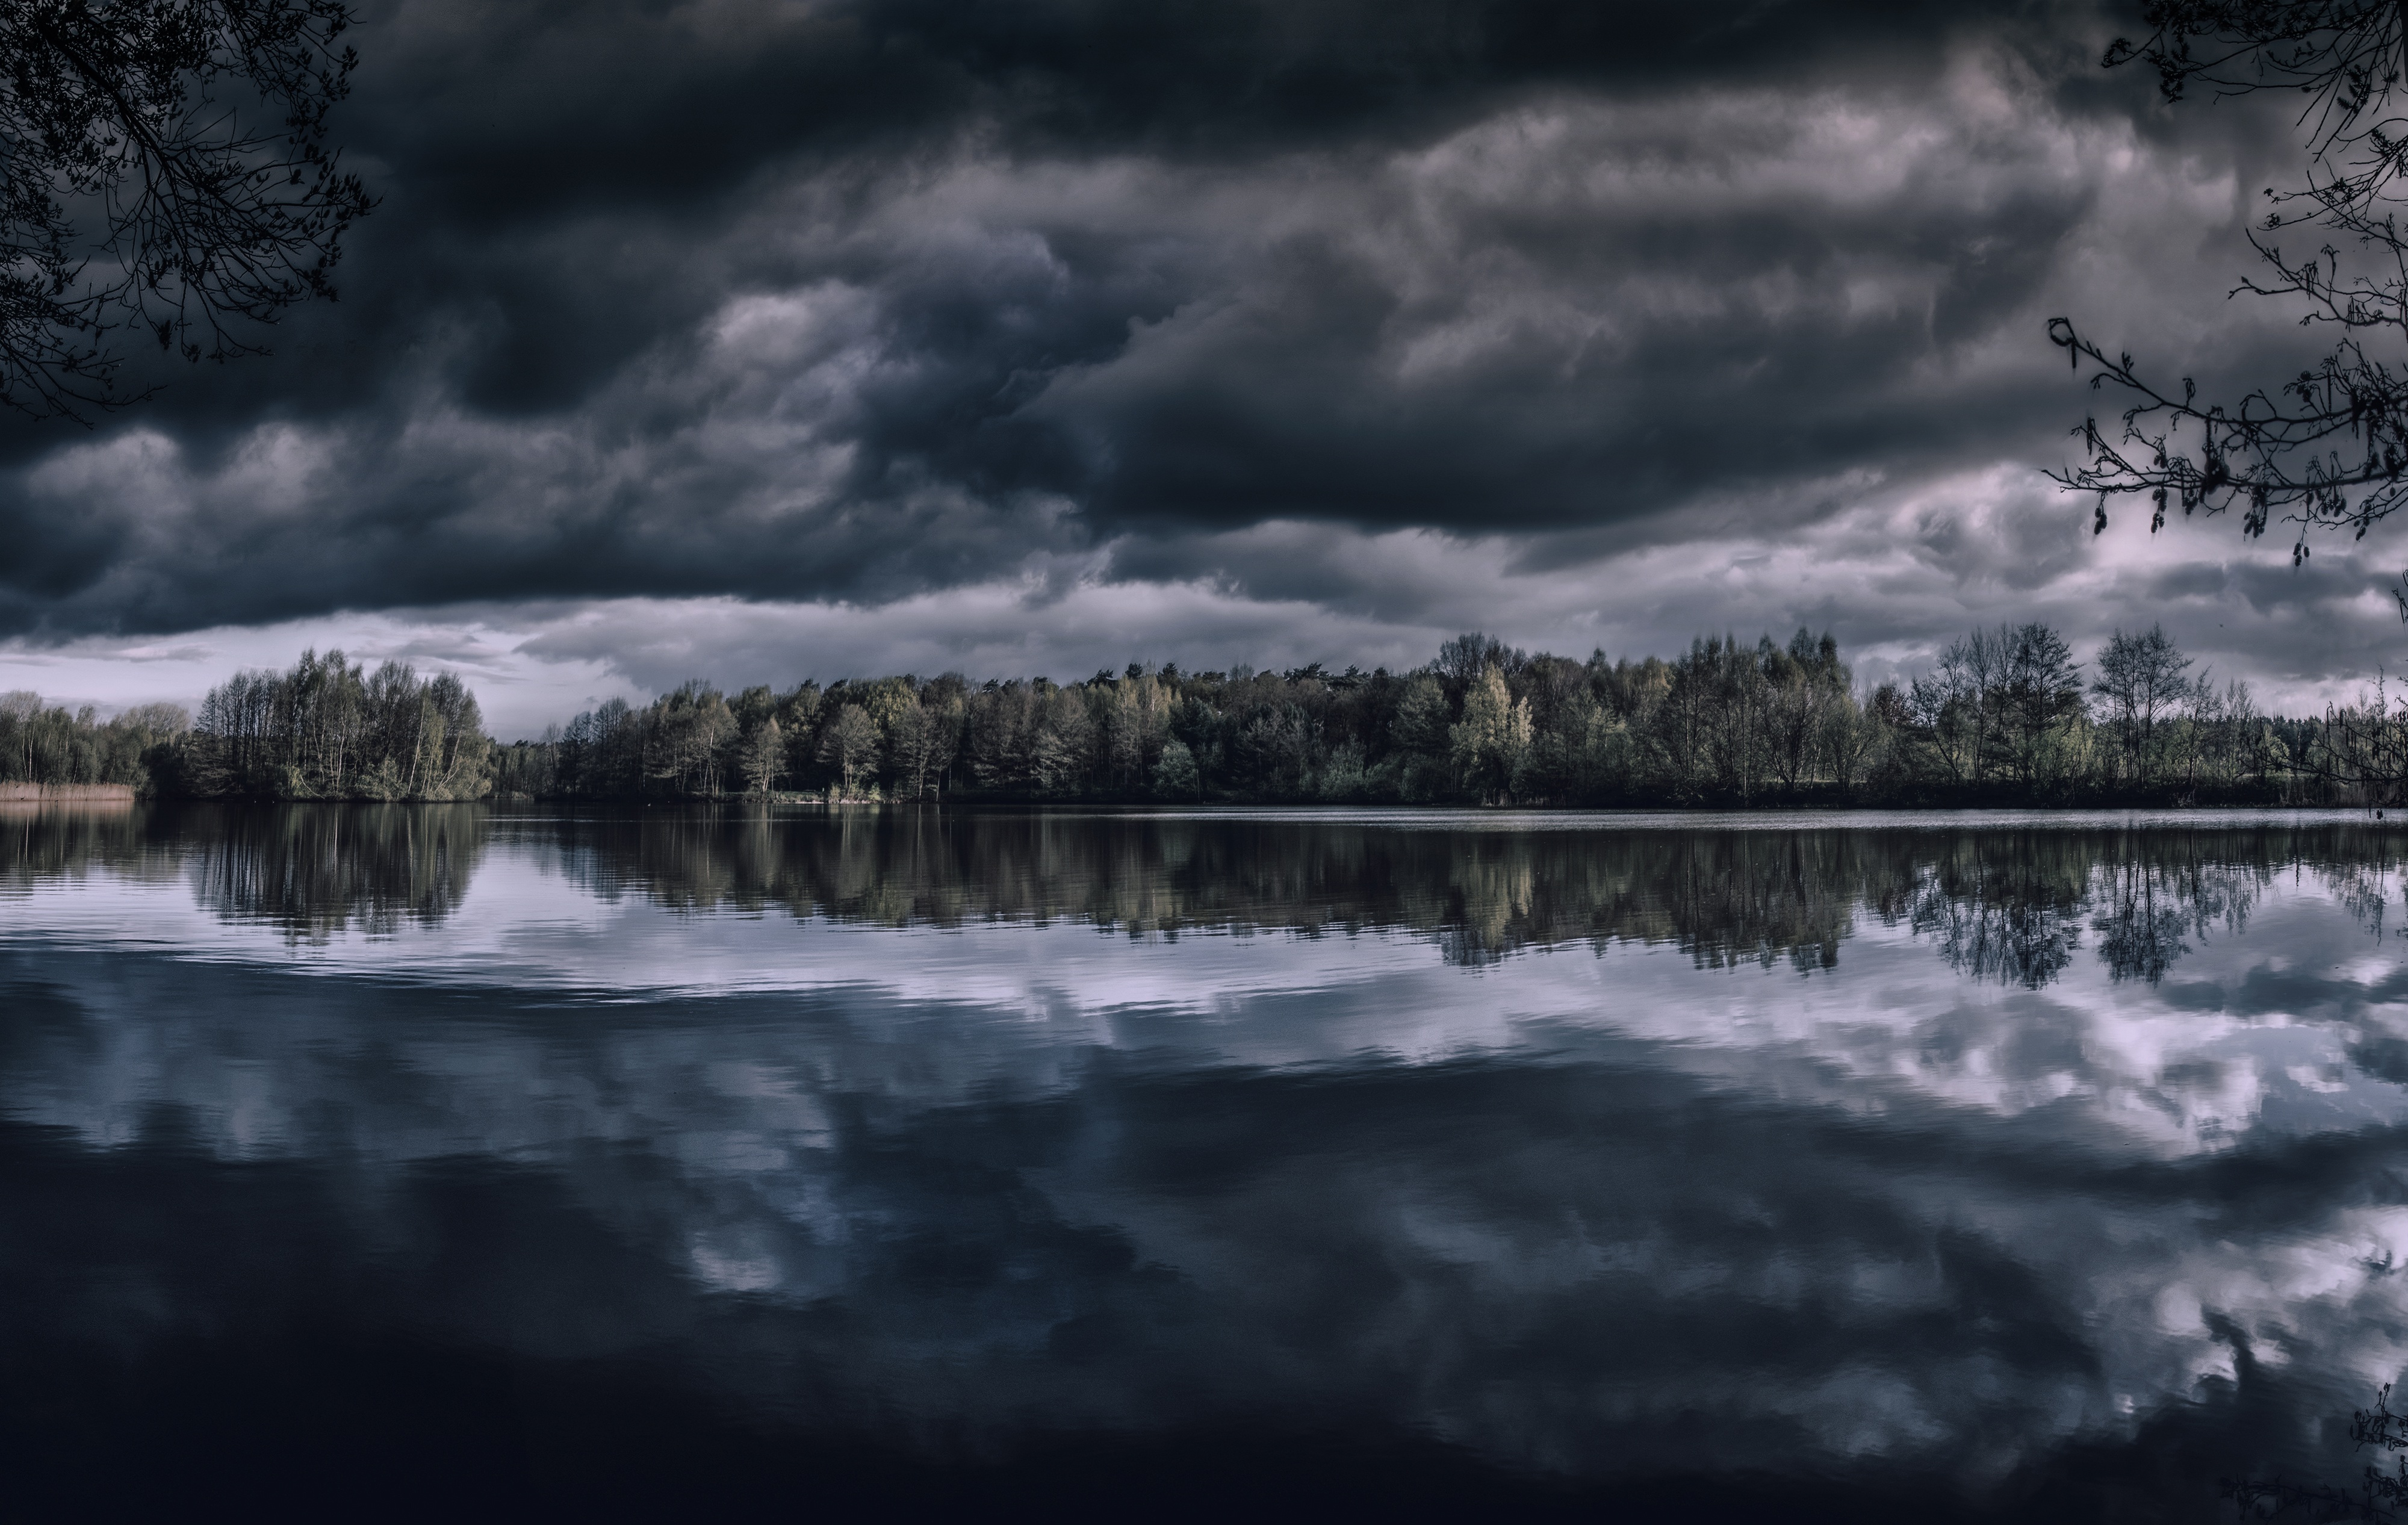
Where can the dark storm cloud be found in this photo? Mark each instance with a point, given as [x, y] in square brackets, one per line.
[857, 300]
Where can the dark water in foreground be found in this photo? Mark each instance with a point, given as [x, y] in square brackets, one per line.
[414, 1160]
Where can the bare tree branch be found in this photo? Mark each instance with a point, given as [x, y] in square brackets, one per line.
[163, 168]
[2327, 448]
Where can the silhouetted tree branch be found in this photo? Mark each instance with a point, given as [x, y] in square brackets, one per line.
[163, 168]
[2379, 1494]
[2327, 448]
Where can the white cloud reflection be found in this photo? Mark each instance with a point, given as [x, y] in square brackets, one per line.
[1699, 1131]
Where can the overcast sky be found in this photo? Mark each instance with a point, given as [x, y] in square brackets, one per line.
[764, 339]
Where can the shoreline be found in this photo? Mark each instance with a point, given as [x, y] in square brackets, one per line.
[53, 794]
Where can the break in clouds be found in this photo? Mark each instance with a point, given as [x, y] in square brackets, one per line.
[766, 340]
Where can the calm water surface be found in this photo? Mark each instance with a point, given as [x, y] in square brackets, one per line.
[401, 1159]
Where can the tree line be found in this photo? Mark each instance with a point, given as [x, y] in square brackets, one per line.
[2004, 715]
[50, 744]
[331, 729]
[327, 729]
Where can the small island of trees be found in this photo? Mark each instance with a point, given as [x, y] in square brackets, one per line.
[2005, 716]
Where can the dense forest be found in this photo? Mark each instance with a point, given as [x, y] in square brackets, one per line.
[40, 745]
[2004, 715]
[328, 730]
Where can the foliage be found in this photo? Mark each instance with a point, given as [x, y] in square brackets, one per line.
[2328, 446]
[40, 745]
[329, 729]
[165, 168]
[2004, 715]
[1491, 744]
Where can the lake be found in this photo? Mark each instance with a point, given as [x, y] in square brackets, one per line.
[452, 1160]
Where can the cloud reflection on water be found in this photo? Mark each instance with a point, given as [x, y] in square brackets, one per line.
[1929, 1150]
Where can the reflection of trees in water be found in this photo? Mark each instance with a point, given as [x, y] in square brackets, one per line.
[40, 841]
[2006, 906]
[2366, 891]
[317, 870]
[313, 870]
[2165, 888]
[1726, 898]
[1736, 897]
[2011, 905]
